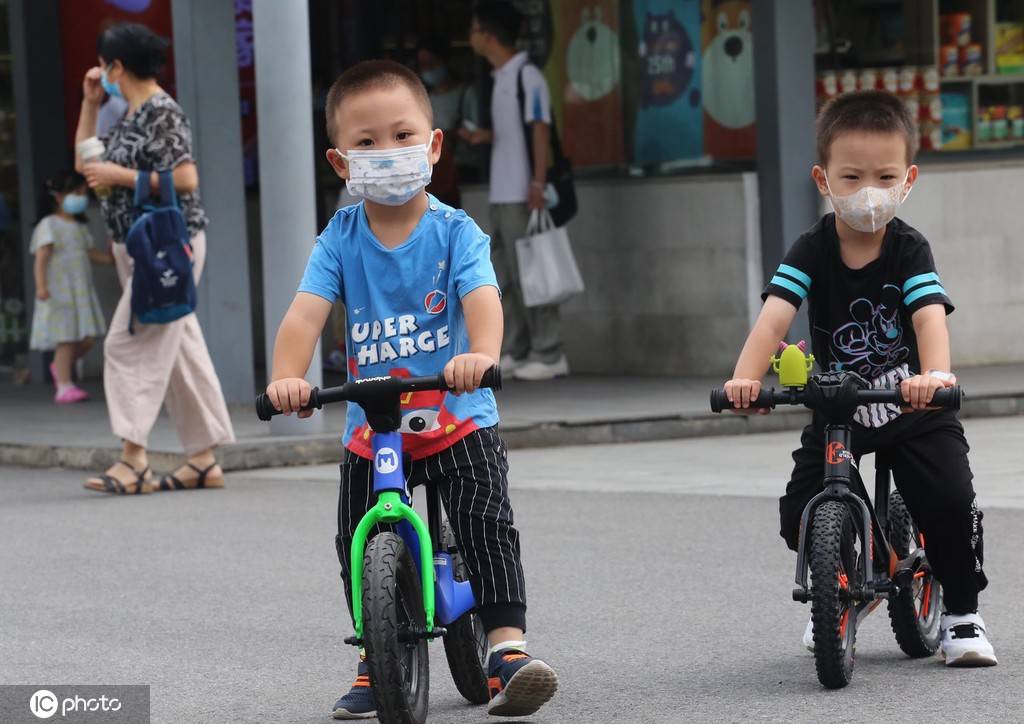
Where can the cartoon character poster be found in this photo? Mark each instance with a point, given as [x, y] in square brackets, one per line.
[669, 119]
[727, 69]
[592, 113]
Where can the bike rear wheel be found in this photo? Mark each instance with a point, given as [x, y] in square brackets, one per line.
[465, 644]
[834, 574]
[392, 614]
[915, 612]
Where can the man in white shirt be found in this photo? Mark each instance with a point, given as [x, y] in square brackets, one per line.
[532, 349]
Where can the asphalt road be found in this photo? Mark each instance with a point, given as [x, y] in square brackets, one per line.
[658, 587]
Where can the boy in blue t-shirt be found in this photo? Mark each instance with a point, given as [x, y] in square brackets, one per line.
[420, 295]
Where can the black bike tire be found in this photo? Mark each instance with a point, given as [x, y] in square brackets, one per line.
[916, 639]
[389, 574]
[461, 643]
[833, 649]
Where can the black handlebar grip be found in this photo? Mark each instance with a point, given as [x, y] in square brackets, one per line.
[265, 408]
[720, 402]
[948, 398]
[492, 378]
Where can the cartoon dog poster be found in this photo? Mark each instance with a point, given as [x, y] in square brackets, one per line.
[728, 79]
[669, 119]
[589, 44]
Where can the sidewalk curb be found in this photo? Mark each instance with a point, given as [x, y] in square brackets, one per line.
[272, 452]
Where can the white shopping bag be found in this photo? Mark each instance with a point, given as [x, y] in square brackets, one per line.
[547, 268]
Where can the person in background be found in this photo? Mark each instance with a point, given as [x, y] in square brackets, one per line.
[455, 106]
[533, 338]
[157, 363]
[67, 316]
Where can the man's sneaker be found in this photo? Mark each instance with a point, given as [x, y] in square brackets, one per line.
[535, 371]
[510, 364]
[964, 642]
[519, 684]
[359, 702]
[809, 635]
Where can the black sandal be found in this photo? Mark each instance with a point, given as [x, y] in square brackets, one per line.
[114, 486]
[171, 481]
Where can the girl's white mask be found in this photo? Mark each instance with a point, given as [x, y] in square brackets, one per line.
[869, 208]
[391, 176]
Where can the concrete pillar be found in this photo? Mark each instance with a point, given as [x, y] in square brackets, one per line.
[207, 77]
[784, 81]
[37, 75]
[284, 104]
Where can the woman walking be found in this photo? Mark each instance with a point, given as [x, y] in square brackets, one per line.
[156, 363]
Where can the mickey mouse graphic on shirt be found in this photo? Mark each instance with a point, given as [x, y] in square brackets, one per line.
[872, 343]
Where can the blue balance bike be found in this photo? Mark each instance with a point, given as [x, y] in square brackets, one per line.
[856, 553]
[410, 585]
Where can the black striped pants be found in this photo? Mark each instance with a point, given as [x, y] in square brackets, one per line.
[472, 479]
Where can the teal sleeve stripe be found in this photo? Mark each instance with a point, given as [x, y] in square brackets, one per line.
[924, 291]
[796, 274]
[920, 279]
[791, 286]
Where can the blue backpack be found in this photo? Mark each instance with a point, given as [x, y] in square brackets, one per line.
[163, 289]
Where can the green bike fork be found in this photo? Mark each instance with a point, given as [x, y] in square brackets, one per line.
[391, 509]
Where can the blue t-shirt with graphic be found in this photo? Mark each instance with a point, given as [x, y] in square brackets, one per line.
[404, 316]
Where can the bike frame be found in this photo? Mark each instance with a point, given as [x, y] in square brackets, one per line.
[443, 596]
[879, 577]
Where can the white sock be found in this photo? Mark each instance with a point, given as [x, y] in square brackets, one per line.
[62, 388]
[506, 645]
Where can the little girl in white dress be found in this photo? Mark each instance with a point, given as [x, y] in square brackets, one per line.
[67, 316]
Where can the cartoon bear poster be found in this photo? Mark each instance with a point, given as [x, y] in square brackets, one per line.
[669, 119]
[589, 45]
[728, 79]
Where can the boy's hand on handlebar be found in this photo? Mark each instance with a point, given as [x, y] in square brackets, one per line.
[919, 390]
[740, 392]
[290, 395]
[464, 372]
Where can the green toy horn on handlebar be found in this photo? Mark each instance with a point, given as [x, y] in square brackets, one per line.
[792, 365]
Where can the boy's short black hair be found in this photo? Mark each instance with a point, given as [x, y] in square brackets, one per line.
[873, 111]
[500, 19]
[142, 52]
[372, 75]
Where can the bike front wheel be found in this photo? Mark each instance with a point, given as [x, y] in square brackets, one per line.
[915, 611]
[834, 575]
[392, 617]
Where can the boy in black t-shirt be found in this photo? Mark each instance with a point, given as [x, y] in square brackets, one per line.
[878, 308]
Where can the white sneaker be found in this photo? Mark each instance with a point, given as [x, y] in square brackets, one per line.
[534, 371]
[809, 635]
[964, 642]
[510, 364]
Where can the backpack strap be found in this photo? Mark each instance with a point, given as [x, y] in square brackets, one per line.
[556, 144]
[144, 193]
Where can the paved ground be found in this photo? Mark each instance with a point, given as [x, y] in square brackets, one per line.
[658, 588]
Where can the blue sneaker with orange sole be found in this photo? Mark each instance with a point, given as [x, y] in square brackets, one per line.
[518, 683]
[359, 702]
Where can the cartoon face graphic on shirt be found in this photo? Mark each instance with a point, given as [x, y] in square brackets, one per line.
[423, 414]
[872, 343]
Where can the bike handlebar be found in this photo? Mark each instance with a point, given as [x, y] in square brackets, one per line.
[370, 387]
[949, 398]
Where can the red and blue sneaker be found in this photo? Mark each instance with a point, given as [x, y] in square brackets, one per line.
[519, 684]
[359, 702]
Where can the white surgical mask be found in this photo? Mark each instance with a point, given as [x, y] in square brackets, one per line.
[391, 176]
[869, 208]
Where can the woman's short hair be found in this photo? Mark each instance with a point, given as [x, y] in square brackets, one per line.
[142, 52]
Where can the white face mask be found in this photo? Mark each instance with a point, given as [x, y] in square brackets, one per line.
[391, 176]
[869, 208]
